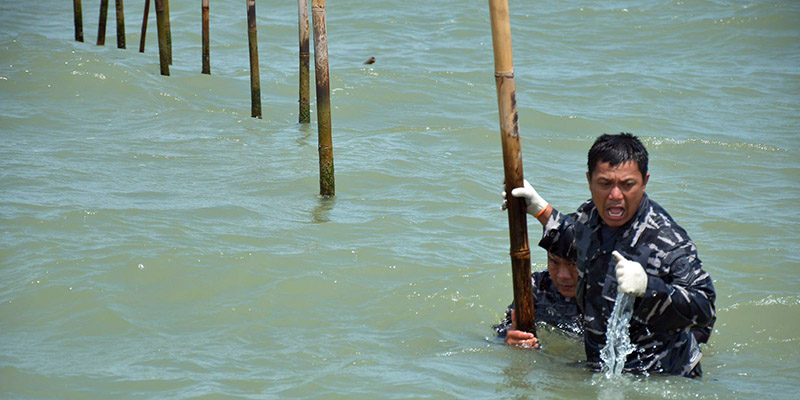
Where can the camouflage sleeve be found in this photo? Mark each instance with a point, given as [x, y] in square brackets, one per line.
[681, 297]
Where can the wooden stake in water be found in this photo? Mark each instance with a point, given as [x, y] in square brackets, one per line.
[255, 82]
[304, 115]
[120, 25]
[162, 38]
[144, 25]
[168, 27]
[326, 181]
[512, 162]
[77, 9]
[206, 51]
[101, 25]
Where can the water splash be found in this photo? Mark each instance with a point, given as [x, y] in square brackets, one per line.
[618, 342]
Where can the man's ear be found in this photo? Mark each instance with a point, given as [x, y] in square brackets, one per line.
[646, 178]
[589, 177]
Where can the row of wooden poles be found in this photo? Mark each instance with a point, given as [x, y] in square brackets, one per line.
[325, 144]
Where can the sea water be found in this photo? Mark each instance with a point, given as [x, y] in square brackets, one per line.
[618, 342]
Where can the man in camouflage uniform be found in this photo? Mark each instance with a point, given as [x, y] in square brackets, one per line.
[626, 242]
[553, 295]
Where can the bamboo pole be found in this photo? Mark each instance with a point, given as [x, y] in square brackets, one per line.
[255, 83]
[326, 181]
[144, 25]
[206, 51]
[162, 37]
[101, 25]
[78, 10]
[120, 24]
[168, 27]
[512, 162]
[304, 115]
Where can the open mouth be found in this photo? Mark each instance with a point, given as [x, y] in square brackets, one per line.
[615, 213]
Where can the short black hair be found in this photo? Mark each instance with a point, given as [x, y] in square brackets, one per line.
[618, 149]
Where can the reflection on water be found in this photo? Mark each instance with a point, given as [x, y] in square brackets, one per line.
[321, 212]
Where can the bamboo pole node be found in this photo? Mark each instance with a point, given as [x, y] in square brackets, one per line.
[521, 253]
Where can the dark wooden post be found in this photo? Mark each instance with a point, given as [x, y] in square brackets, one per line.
[162, 37]
[512, 162]
[206, 51]
[101, 25]
[255, 83]
[326, 181]
[168, 28]
[144, 25]
[120, 25]
[304, 115]
[78, 11]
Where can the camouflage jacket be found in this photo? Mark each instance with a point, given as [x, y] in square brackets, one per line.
[549, 306]
[677, 310]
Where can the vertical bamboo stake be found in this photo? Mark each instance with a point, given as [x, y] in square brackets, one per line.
[326, 181]
[255, 83]
[76, 6]
[206, 55]
[512, 162]
[162, 37]
[304, 116]
[101, 25]
[144, 25]
[120, 25]
[169, 31]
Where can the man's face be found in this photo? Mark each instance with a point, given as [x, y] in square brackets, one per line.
[617, 191]
[564, 274]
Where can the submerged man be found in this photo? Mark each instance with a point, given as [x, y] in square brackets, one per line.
[553, 295]
[626, 242]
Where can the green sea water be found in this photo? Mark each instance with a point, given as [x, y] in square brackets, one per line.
[156, 242]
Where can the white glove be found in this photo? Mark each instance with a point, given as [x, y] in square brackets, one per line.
[630, 276]
[534, 204]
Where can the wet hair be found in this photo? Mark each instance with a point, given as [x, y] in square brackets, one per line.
[618, 149]
[561, 242]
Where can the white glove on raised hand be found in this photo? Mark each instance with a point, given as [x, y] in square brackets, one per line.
[534, 204]
[631, 277]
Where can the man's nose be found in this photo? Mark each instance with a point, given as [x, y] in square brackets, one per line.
[616, 193]
[563, 273]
